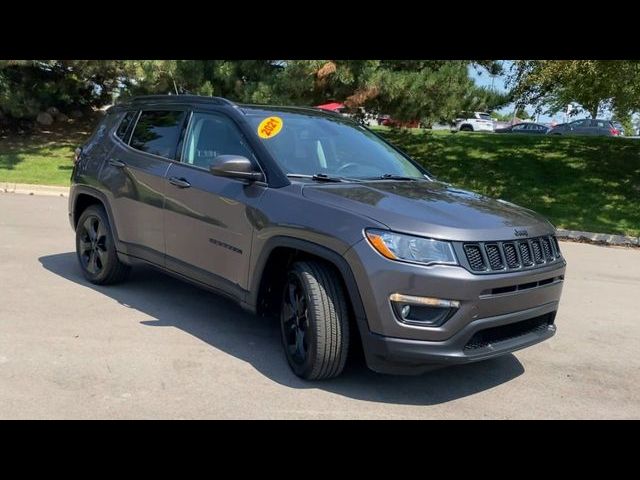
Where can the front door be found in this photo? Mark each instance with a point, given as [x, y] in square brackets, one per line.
[208, 220]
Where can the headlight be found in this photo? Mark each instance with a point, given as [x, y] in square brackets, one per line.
[409, 248]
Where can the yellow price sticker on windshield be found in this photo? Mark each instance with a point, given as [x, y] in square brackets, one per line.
[270, 127]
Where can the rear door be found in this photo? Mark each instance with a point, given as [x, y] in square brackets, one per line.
[535, 129]
[209, 220]
[580, 127]
[134, 175]
[600, 127]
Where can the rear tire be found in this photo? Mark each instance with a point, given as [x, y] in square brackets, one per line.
[314, 321]
[96, 250]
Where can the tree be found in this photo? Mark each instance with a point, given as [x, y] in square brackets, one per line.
[593, 84]
[636, 126]
[520, 113]
[243, 81]
[428, 90]
[30, 86]
[625, 119]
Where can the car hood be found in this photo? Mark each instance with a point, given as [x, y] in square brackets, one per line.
[433, 209]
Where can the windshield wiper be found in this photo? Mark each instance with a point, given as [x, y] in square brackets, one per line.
[318, 177]
[391, 176]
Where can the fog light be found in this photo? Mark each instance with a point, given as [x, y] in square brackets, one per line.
[424, 311]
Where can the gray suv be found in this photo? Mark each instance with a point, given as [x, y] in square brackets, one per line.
[586, 126]
[309, 217]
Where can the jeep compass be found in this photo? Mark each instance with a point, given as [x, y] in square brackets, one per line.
[308, 217]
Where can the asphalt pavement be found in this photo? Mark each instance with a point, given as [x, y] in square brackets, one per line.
[155, 347]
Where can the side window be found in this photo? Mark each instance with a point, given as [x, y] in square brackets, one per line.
[519, 128]
[579, 124]
[158, 132]
[211, 135]
[125, 124]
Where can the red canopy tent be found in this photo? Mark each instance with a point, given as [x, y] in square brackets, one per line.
[332, 107]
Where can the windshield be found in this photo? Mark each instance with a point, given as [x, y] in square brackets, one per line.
[308, 144]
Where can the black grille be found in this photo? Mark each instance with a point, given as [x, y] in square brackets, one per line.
[493, 335]
[537, 251]
[511, 255]
[495, 259]
[514, 255]
[474, 255]
[546, 248]
[556, 246]
[525, 253]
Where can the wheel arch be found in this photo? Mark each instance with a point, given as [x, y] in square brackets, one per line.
[82, 198]
[280, 251]
[81, 203]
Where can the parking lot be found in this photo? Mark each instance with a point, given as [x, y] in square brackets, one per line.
[155, 347]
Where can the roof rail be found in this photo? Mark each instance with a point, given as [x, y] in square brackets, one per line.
[329, 112]
[181, 97]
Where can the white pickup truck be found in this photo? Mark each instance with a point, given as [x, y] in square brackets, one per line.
[475, 122]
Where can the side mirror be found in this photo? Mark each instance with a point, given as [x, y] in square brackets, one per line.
[235, 166]
[76, 154]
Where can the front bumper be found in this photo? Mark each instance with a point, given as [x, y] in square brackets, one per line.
[404, 356]
[391, 345]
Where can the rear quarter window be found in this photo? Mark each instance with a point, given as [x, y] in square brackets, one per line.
[158, 132]
[125, 126]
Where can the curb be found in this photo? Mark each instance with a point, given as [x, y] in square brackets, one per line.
[28, 189]
[598, 238]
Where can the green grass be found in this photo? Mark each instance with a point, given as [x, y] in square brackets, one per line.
[579, 183]
[44, 157]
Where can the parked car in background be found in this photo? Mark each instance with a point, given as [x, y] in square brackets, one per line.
[380, 119]
[335, 107]
[528, 128]
[620, 128]
[474, 122]
[359, 115]
[586, 126]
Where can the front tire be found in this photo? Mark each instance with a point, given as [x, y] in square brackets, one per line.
[96, 249]
[314, 321]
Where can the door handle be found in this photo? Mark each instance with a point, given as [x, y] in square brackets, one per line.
[117, 163]
[179, 182]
